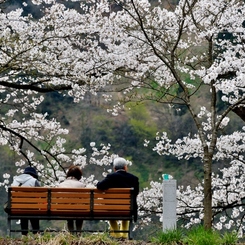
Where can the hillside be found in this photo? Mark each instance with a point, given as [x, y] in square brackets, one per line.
[90, 122]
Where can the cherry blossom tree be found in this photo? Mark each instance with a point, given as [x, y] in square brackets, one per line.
[39, 56]
[174, 55]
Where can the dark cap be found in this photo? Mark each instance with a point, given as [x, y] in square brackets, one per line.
[32, 171]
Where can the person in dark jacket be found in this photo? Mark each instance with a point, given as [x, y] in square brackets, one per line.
[120, 178]
[28, 178]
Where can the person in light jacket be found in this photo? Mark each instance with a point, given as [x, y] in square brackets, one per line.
[120, 178]
[28, 178]
[72, 180]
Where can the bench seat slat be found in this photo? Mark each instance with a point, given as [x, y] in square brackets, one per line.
[113, 190]
[29, 200]
[72, 194]
[112, 201]
[111, 207]
[69, 206]
[29, 189]
[70, 213]
[24, 212]
[65, 189]
[28, 194]
[28, 205]
[112, 195]
[70, 200]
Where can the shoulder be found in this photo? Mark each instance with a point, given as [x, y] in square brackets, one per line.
[63, 184]
[131, 175]
[37, 183]
[71, 183]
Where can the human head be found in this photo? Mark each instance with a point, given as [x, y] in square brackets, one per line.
[74, 171]
[120, 163]
[32, 171]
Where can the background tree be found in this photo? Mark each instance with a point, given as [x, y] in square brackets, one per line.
[175, 57]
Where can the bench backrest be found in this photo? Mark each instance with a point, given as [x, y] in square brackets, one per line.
[86, 202]
[28, 200]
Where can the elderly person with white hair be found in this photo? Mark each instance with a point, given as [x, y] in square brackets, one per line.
[120, 178]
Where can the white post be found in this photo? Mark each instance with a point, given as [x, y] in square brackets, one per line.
[169, 204]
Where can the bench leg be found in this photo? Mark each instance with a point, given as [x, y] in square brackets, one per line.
[9, 227]
[130, 231]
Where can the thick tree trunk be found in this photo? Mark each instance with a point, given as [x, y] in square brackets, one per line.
[207, 192]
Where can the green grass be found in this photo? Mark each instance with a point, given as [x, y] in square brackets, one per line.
[195, 236]
[170, 237]
[230, 238]
[200, 236]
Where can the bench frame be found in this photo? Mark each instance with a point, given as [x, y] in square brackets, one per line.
[54, 203]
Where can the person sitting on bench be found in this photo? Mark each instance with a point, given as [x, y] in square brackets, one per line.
[28, 178]
[121, 178]
[72, 180]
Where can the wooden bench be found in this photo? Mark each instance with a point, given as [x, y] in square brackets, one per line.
[50, 203]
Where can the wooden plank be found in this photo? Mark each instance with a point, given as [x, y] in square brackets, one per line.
[70, 194]
[112, 201]
[80, 190]
[29, 200]
[112, 195]
[111, 207]
[29, 189]
[69, 206]
[70, 200]
[28, 206]
[24, 212]
[29, 194]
